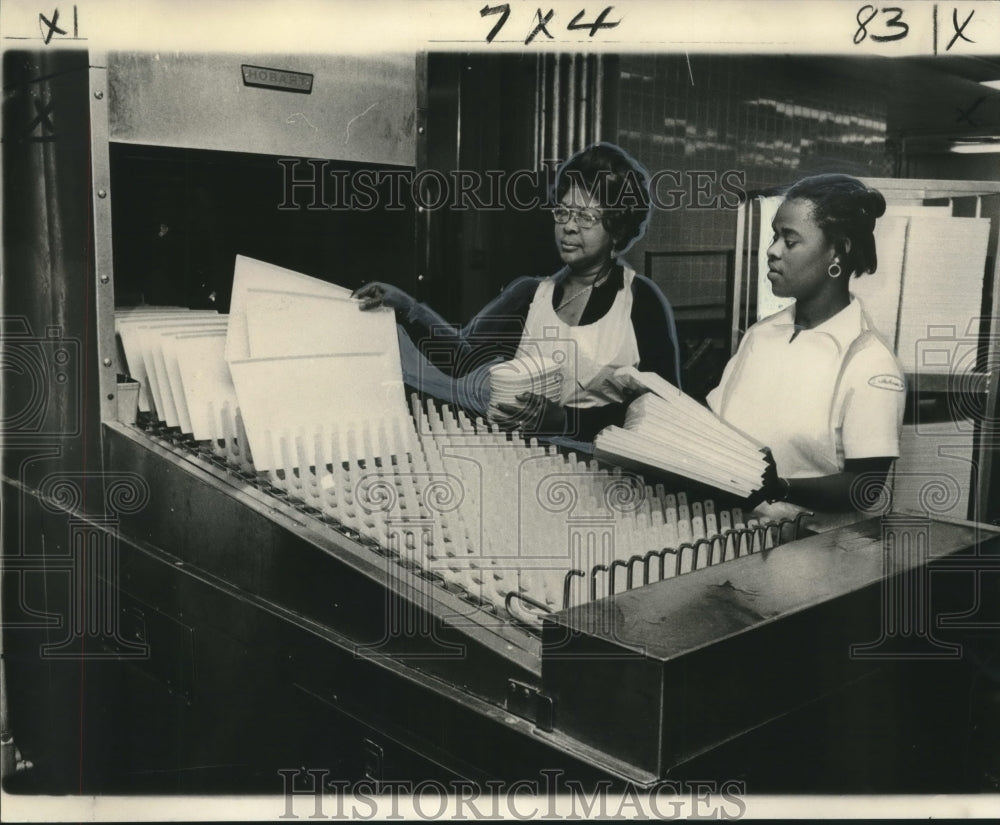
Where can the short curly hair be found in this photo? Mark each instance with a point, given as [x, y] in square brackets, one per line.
[621, 185]
[845, 209]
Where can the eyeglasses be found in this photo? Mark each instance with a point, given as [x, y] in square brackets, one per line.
[584, 219]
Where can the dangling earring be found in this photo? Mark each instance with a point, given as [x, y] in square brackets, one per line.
[834, 270]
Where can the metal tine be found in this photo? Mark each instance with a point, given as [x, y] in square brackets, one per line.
[433, 418]
[227, 423]
[553, 596]
[568, 585]
[612, 584]
[772, 534]
[307, 471]
[384, 446]
[652, 554]
[292, 483]
[760, 536]
[394, 546]
[232, 448]
[601, 582]
[523, 597]
[243, 444]
[721, 540]
[497, 581]
[425, 550]
[496, 587]
[400, 442]
[765, 535]
[278, 474]
[726, 530]
[629, 575]
[216, 434]
[390, 476]
[593, 580]
[352, 447]
[774, 529]
[798, 522]
[681, 555]
[319, 459]
[405, 545]
[667, 551]
[332, 496]
[468, 593]
[525, 582]
[402, 475]
[368, 446]
[744, 541]
[697, 562]
[786, 530]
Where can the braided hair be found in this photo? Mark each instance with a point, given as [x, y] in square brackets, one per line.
[845, 209]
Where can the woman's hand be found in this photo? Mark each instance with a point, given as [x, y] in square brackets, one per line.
[537, 414]
[772, 488]
[377, 294]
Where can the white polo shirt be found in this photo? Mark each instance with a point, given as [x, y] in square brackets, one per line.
[817, 398]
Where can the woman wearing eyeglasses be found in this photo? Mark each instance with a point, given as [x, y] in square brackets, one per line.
[594, 315]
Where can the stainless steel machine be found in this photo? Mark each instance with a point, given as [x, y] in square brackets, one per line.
[173, 621]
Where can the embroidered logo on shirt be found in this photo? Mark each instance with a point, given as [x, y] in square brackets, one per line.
[887, 382]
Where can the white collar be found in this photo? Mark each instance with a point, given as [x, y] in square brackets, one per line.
[843, 327]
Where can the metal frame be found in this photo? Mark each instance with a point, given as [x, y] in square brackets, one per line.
[580, 110]
[729, 255]
[104, 282]
[422, 217]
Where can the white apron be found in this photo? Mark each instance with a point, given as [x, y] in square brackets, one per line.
[589, 354]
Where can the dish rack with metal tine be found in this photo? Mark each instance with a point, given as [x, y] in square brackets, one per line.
[439, 501]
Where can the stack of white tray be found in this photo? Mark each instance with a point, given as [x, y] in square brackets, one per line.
[526, 374]
[669, 431]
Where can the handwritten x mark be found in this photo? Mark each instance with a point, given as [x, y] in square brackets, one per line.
[53, 28]
[42, 112]
[965, 115]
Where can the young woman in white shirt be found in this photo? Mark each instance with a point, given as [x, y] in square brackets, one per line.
[816, 382]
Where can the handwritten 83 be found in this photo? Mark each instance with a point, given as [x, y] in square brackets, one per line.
[883, 25]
